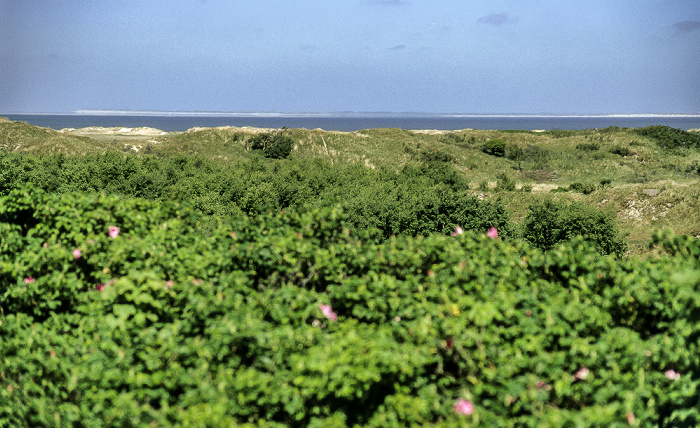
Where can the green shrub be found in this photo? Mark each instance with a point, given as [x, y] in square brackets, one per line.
[504, 183]
[670, 138]
[180, 320]
[436, 156]
[550, 222]
[495, 147]
[620, 150]
[588, 147]
[582, 188]
[275, 145]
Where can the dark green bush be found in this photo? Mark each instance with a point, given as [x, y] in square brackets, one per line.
[588, 147]
[551, 222]
[495, 147]
[620, 150]
[582, 188]
[435, 156]
[180, 320]
[504, 183]
[576, 187]
[670, 138]
[275, 145]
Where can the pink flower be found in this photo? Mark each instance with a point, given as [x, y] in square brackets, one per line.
[543, 385]
[492, 233]
[101, 287]
[328, 312]
[672, 375]
[77, 253]
[458, 231]
[630, 418]
[29, 280]
[169, 284]
[113, 231]
[582, 373]
[463, 407]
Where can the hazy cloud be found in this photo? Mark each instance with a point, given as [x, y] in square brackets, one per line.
[686, 26]
[496, 19]
[387, 2]
[397, 47]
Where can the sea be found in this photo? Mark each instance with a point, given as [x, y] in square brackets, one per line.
[171, 122]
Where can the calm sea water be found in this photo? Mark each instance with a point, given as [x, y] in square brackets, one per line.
[355, 123]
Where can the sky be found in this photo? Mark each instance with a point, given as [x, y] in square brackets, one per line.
[436, 56]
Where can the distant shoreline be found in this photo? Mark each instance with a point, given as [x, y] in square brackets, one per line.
[348, 121]
[274, 114]
[369, 114]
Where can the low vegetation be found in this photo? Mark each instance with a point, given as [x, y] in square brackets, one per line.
[237, 276]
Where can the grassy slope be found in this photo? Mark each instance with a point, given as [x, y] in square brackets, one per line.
[548, 160]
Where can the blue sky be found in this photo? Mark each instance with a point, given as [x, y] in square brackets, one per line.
[441, 56]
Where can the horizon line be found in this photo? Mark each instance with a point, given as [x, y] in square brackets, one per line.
[340, 114]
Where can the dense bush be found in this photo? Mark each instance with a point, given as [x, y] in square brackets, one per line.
[620, 151]
[505, 183]
[670, 138]
[550, 222]
[428, 198]
[588, 147]
[495, 147]
[275, 145]
[126, 312]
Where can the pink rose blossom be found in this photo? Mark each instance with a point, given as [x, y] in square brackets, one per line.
[113, 231]
[672, 375]
[463, 407]
[543, 385]
[328, 312]
[492, 233]
[29, 280]
[582, 373]
[458, 231]
[76, 254]
[101, 287]
[169, 284]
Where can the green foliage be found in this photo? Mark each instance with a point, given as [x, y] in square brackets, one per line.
[620, 150]
[505, 183]
[670, 138]
[588, 147]
[180, 320]
[551, 222]
[495, 147]
[275, 145]
[429, 198]
[577, 187]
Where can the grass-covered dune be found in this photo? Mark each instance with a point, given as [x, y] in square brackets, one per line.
[238, 276]
[648, 177]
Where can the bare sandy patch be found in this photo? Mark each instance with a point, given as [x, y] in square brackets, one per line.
[98, 130]
[543, 187]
